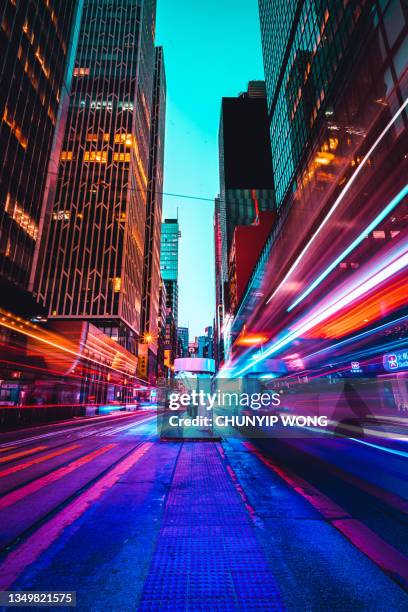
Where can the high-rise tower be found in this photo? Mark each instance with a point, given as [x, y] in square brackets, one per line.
[37, 45]
[93, 259]
[151, 268]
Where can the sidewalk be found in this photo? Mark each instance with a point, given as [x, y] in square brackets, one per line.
[207, 555]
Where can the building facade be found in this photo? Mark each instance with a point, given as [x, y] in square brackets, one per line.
[337, 86]
[246, 186]
[92, 264]
[151, 264]
[309, 50]
[169, 262]
[37, 47]
[183, 340]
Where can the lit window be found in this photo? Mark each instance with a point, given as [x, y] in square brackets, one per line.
[99, 157]
[22, 218]
[61, 215]
[379, 234]
[66, 155]
[40, 58]
[126, 139]
[7, 117]
[81, 71]
[324, 158]
[117, 281]
[121, 157]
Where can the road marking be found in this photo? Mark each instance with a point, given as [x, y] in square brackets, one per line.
[385, 556]
[29, 451]
[28, 552]
[111, 432]
[30, 488]
[59, 432]
[27, 464]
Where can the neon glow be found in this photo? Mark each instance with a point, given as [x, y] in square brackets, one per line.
[337, 304]
[340, 198]
[386, 211]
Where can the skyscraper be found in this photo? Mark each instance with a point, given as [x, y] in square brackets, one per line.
[37, 45]
[151, 267]
[337, 88]
[169, 262]
[93, 260]
[245, 162]
[183, 339]
[308, 49]
[246, 184]
[169, 272]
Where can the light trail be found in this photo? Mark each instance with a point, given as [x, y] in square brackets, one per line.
[386, 272]
[386, 211]
[340, 198]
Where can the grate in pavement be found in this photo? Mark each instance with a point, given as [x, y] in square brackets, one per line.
[207, 555]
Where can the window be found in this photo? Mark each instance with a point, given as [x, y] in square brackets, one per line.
[126, 139]
[66, 155]
[8, 118]
[81, 72]
[22, 218]
[99, 157]
[121, 157]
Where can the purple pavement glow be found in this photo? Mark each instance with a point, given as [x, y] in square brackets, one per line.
[207, 555]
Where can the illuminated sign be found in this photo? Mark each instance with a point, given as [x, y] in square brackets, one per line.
[396, 361]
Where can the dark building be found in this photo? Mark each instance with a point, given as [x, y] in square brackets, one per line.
[161, 331]
[151, 267]
[246, 185]
[37, 46]
[220, 282]
[93, 260]
[246, 177]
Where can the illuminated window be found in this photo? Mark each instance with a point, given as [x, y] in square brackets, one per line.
[121, 157]
[81, 71]
[22, 218]
[7, 117]
[99, 157]
[61, 215]
[117, 281]
[379, 234]
[92, 137]
[324, 158]
[40, 58]
[98, 104]
[126, 139]
[28, 32]
[66, 155]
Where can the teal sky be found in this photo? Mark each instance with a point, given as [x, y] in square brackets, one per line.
[211, 49]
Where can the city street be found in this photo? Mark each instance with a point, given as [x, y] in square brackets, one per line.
[105, 508]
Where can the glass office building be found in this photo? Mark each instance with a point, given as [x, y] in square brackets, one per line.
[311, 50]
[337, 86]
[169, 263]
[37, 44]
[93, 262]
[151, 268]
